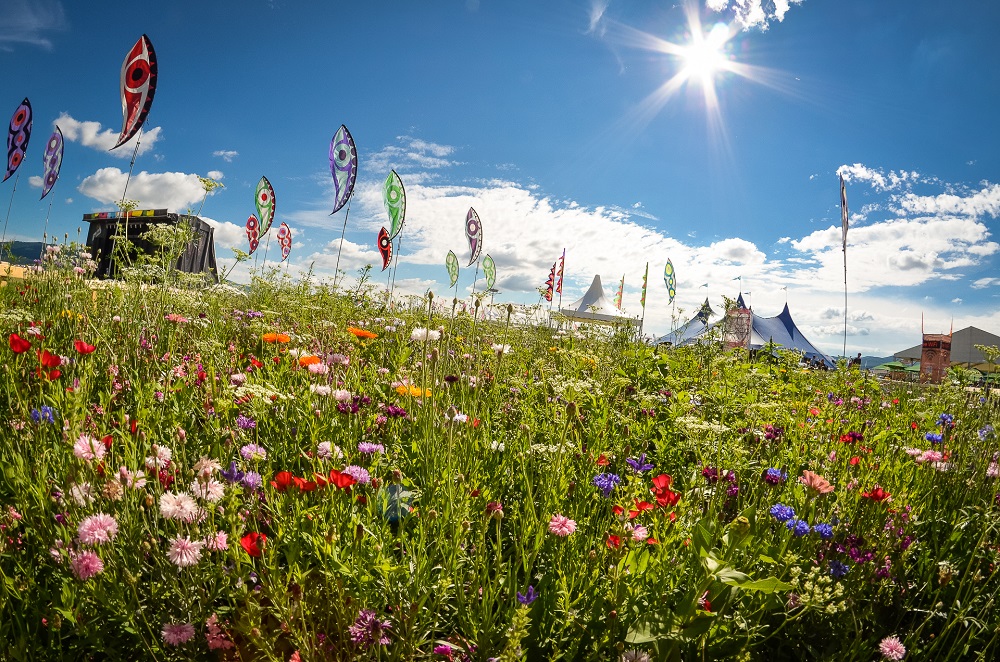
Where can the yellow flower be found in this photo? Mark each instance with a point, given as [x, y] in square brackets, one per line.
[415, 391]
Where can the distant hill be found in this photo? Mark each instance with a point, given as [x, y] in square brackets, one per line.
[868, 362]
[23, 252]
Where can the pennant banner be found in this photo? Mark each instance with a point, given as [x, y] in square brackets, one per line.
[451, 264]
[17, 137]
[138, 87]
[343, 167]
[285, 240]
[562, 267]
[385, 247]
[394, 198]
[490, 271]
[645, 277]
[670, 280]
[474, 233]
[550, 283]
[265, 204]
[253, 233]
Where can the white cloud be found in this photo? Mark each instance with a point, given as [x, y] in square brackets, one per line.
[879, 180]
[411, 153]
[35, 181]
[176, 191]
[754, 13]
[227, 235]
[597, 9]
[90, 134]
[215, 174]
[28, 21]
[983, 202]
[957, 300]
[984, 283]
[226, 155]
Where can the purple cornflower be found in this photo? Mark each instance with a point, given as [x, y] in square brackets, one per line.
[369, 448]
[606, 482]
[253, 452]
[711, 474]
[640, 465]
[946, 420]
[252, 480]
[360, 474]
[824, 530]
[45, 414]
[775, 476]
[798, 527]
[245, 422]
[392, 411]
[369, 629]
[233, 474]
[781, 512]
[528, 596]
[985, 432]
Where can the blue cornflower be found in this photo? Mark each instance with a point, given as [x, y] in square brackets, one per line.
[233, 474]
[639, 465]
[782, 513]
[606, 482]
[838, 569]
[933, 437]
[985, 432]
[45, 414]
[775, 476]
[528, 596]
[797, 526]
[946, 419]
[824, 530]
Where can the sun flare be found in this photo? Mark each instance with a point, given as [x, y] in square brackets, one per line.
[705, 55]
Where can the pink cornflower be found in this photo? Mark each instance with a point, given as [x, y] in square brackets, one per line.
[180, 506]
[342, 395]
[369, 630]
[318, 368]
[97, 529]
[320, 389]
[216, 638]
[217, 542]
[815, 482]
[209, 490]
[88, 448]
[639, 533]
[340, 359]
[892, 648]
[561, 526]
[160, 458]
[175, 634]
[86, 564]
[183, 552]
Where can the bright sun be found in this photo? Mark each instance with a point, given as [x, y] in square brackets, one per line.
[703, 56]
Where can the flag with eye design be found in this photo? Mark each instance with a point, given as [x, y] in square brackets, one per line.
[343, 167]
[474, 233]
[490, 271]
[385, 247]
[253, 232]
[285, 240]
[138, 82]
[394, 198]
[17, 137]
[265, 204]
[451, 264]
[670, 280]
[52, 161]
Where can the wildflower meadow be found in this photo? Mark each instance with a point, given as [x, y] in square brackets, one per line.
[292, 472]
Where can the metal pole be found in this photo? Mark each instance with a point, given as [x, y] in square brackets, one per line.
[342, 232]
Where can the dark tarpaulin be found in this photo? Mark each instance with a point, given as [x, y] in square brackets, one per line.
[198, 255]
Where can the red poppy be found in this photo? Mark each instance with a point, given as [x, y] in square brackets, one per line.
[107, 440]
[661, 489]
[640, 507]
[282, 480]
[303, 484]
[49, 374]
[613, 542]
[341, 480]
[602, 461]
[652, 541]
[253, 543]
[255, 363]
[854, 461]
[877, 494]
[48, 359]
[618, 511]
[321, 480]
[82, 347]
[18, 345]
[133, 426]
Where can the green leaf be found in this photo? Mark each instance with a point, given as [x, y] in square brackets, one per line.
[741, 581]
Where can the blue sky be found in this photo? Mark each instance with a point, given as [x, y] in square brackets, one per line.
[552, 120]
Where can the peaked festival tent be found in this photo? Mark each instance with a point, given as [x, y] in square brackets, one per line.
[593, 307]
[690, 329]
[780, 329]
[963, 348]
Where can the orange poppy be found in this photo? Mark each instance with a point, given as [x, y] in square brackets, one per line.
[361, 333]
[309, 359]
[275, 337]
[415, 391]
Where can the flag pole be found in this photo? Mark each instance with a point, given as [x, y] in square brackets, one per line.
[9, 206]
[844, 225]
[336, 269]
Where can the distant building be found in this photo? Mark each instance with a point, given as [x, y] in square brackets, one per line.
[963, 349]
